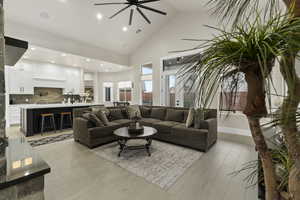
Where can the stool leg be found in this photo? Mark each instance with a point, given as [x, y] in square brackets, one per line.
[53, 124]
[61, 121]
[71, 121]
[43, 123]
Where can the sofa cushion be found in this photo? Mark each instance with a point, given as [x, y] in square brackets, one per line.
[133, 111]
[93, 119]
[96, 109]
[199, 115]
[145, 112]
[115, 114]
[174, 115]
[190, 119]
[165, 126]
[185, 115]
[158, 113]
[104, 131]
[103, 117]
[123, 122]
[181, 129]
[149, 121]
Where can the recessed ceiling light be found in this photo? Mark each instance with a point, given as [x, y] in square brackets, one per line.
[63, 55]
[101, 65]
[88, 60]
[44, 15]
[63, 1]
[125, 29]
[52, 61]
[99, 16]
[32, 48]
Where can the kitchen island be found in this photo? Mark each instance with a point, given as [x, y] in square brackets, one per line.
[31, 115]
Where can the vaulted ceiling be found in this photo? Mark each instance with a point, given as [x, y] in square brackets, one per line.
[77, 20]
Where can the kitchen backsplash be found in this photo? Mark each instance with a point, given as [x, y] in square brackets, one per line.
[41, 96]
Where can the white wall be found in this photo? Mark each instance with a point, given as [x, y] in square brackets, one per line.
[169, 38]
[186, 25]
[115, 78]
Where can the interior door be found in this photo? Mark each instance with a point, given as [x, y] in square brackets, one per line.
[172, 91]
[175, 92]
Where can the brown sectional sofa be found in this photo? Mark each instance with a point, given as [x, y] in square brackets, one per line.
[170, 123]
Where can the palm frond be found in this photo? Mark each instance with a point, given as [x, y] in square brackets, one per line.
[227, 55]
[239, 10]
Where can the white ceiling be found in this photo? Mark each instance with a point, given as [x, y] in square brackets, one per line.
[40, 54]
[188, 5]
[76, 19]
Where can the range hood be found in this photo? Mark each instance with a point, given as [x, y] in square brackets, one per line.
[14, 50]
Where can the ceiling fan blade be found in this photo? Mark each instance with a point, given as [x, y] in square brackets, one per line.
[130, 17]
[152, 9]
[143, 15]
[101, 4]
[147, 1]
[120, 11]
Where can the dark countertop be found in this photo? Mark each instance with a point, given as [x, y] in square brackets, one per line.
[19, 162]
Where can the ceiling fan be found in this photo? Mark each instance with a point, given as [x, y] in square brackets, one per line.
[139, 4]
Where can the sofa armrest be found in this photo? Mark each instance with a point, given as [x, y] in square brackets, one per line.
[96, 130]
[212, 126]
[80, 129]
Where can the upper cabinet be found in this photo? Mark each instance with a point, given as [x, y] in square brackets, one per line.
[19, 80]
[26, 75]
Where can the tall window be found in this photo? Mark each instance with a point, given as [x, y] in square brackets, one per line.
[236, 100]
[108, 92]
[125, 91]
[147, 84]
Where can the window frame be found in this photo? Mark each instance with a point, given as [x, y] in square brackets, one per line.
[145, 77]
[131, 90]
[108, 85]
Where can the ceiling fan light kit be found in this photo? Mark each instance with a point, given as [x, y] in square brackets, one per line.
[139, 4]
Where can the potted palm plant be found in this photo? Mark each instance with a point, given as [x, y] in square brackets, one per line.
[250, 49]
[238, 10]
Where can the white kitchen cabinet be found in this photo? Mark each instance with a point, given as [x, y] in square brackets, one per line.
[26, 75]
[14, 114]
[19, 81]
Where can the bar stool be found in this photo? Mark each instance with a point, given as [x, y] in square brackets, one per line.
[49, 116]
[62, 116]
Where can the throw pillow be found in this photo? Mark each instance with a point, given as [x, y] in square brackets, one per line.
[190, 118]
[115, 114]
[133, 111]
[102, 116]
[145, 112]
[93, 119]
[199, 115]
[174, 115]
[185, 115]
[158, 113]
[99, 109]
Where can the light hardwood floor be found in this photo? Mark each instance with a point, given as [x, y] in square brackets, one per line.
[78, 174]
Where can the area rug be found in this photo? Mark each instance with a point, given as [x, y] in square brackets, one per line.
[166, 164]
[50, 139]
